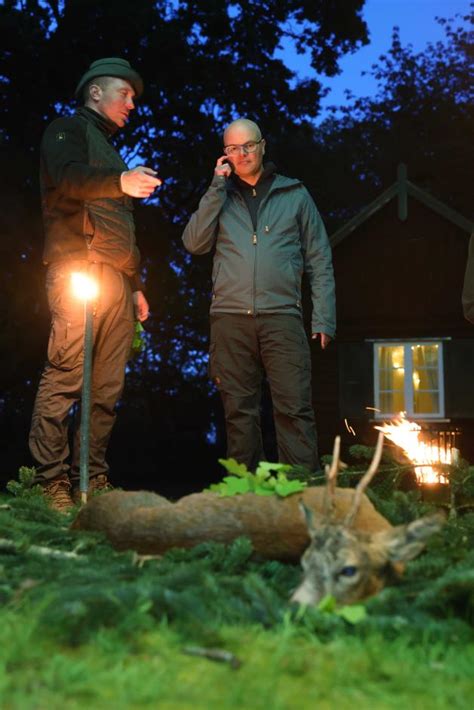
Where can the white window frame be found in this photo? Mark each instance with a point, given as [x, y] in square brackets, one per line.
[408, 379]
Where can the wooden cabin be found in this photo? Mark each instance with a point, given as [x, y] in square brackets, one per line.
[402, 341]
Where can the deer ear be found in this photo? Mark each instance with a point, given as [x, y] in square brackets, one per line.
[309, 517]
[405, 542]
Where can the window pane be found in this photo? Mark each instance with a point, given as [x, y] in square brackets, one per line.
[426, 379]
[392, 402]
[425, 355]
[426, 402]
[391, 356]
[391, 379]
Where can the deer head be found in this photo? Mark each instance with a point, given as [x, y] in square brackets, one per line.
[349, 564]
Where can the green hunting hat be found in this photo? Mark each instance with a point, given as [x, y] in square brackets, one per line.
[111, 66]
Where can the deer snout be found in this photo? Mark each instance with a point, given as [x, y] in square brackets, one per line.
[306, 594]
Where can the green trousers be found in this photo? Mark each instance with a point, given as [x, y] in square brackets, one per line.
[61, 381]
[242, 349]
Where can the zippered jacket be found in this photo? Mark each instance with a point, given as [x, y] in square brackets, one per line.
[86, 215]
[260, 270]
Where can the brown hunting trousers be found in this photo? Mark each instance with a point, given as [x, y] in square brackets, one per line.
[242, 349]
[61, 382]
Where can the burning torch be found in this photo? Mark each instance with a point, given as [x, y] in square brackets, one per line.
[86, 290]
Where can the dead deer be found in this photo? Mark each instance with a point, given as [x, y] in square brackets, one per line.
[350, 554]
[352, 564]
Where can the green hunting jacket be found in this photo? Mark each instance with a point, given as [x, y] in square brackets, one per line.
[260, 271]
[85, 213]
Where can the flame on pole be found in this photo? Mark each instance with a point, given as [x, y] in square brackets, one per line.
[425, 456]
[85, 289]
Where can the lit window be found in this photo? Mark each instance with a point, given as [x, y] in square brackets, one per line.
[408, 377]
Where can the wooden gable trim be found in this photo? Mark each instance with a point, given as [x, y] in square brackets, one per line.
[401, 189]
[439, 207]
[363, 215]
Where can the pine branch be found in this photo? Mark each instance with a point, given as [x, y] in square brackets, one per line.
[18, 548]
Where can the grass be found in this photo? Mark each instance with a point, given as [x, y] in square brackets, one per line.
[281, 668]
[103, 632]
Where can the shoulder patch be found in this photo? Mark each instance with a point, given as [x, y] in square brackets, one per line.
[61, 136]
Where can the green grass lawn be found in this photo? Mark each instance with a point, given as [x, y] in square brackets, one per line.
[281, 668]
[101, 631]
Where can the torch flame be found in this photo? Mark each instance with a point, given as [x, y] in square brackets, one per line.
[406, 435]
[84, 287]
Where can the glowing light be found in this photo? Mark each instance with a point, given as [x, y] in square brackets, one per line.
[426, 457]
[83, 287]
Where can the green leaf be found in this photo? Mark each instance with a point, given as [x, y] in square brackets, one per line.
[260, 491]
[353, 613]
[262, 483]
[232, 466]
[138, 342]
[287, 488]
[235, 486]
[265, 467]
[328, 604]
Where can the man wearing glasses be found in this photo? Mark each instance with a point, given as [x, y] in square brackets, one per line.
[267, 232]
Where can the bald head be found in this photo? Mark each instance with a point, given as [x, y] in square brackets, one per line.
[242, 125]
[245, 148]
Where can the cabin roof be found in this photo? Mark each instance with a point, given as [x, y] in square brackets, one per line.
[401, 189]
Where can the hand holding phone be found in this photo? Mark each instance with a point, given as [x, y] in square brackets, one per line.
[223, 167]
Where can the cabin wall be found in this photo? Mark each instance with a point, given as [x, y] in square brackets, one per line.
[394, 280]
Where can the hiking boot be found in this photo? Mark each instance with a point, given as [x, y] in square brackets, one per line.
[58, 492]
[97, 484]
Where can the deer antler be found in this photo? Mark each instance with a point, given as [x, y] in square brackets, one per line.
[364, 481]
[331, 476]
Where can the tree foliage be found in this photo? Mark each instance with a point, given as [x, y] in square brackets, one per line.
[421, 115]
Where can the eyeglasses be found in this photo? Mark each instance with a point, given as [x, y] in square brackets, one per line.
[249, 147]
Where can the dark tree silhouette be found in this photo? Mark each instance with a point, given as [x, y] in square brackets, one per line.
[204, 62]
[422, 115]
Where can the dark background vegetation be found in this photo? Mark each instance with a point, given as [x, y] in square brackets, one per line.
[204, 62]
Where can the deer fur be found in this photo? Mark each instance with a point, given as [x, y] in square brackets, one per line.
[149, 524]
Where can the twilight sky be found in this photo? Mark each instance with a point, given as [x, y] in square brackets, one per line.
[416, 20]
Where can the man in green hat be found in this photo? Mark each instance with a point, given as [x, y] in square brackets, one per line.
[86, 191]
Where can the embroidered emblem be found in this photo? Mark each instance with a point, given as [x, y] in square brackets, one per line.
[60, 136]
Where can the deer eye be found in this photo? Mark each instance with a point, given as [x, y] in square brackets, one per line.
[348, 571]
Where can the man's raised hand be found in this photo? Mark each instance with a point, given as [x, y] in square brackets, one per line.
[223, 168]
[139, 182]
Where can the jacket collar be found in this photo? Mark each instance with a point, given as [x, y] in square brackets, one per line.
[105, 126]
[267, 175]
[269, 172]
